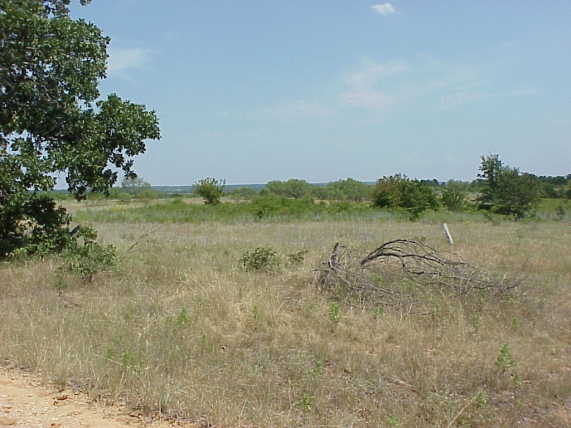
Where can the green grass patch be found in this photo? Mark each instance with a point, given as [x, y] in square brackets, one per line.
[278, 209]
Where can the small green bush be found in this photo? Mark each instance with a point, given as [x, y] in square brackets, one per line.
[260, 259]
[398, 191]
[88, 258]
[210, 189]
[453, 197]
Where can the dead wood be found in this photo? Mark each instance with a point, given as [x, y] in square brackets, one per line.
[402, 271]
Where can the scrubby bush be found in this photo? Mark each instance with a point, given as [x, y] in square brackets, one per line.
[260, 259]
[453, 196]
[271, 206]
[293, 188]
[398, 191]
[348, 190]
[210, 189]
[88, 259]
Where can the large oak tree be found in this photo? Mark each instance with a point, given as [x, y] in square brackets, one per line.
[53, 119]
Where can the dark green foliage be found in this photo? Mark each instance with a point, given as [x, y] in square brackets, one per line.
[52, 120]
[454, 196]
[210, 189]
[548, 190]
[398, 191]
[84, 257]
[31, 223]
[293, 188]
[554, 187]
[271, 206]
[348, 190]
[490, 168]
[260, 259]
[506, 190]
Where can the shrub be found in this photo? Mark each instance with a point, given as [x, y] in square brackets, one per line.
[398, 191]
[210, 189]
[271, 205]
[347, 190]
[88, 258]
[260, 259]
[453, 197]
[293, 188]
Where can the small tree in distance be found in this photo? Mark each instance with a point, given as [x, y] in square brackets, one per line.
[210, 189]
[507, 191]
[398, 191]
[292, 188]
[138, 188]
[454, 196]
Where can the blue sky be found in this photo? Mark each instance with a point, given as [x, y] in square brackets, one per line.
[259, 90]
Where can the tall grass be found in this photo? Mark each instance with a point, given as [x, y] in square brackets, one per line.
[182, 329]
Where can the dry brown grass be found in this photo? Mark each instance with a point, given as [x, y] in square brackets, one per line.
[181, 329]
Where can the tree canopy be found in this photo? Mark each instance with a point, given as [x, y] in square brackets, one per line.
[506, 190]
[52, 118]
[398, 191]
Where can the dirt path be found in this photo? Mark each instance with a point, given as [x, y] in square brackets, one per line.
[25, 403]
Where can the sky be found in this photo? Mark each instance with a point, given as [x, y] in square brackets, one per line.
[257, 90]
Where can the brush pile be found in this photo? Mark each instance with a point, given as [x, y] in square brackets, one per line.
[404, 272]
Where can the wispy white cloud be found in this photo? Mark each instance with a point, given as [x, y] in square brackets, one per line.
[384, 8]
[363, 87]
[382, 87]
[435, 84]
[121, 61]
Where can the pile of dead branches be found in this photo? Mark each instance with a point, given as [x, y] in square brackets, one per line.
[402, 272]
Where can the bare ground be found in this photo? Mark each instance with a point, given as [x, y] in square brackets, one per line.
[26, 403]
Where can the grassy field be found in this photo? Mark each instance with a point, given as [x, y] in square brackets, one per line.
[180, 328]
[281, 210]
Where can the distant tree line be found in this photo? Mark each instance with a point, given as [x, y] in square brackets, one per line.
[498, 188]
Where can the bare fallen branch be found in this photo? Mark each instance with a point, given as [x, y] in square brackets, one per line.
[399, 271]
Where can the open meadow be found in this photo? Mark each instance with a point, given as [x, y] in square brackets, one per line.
[181, 328]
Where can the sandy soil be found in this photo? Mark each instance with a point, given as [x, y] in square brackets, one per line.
[26, 403]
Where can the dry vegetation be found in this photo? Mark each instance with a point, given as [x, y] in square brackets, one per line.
[182, 329]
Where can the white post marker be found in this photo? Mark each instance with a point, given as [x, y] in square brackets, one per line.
[447, 233]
